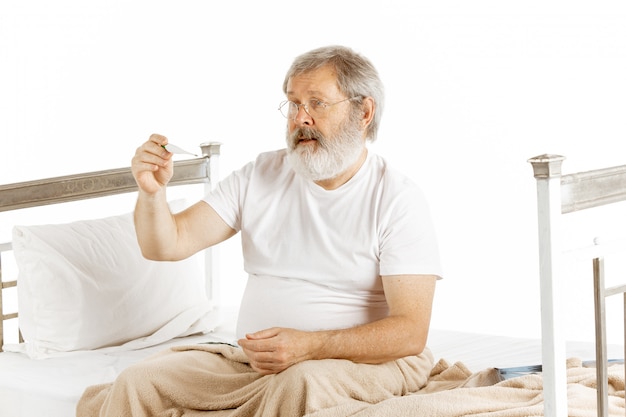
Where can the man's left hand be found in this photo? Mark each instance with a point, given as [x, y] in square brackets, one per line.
[273, 350]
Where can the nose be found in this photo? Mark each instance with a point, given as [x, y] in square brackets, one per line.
[302, 117]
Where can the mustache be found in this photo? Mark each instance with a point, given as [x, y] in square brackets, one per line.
[305, 133]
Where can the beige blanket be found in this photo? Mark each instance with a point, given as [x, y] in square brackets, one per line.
[453, 391]
[444, 390]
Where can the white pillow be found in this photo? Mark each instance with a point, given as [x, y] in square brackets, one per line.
[85, 285]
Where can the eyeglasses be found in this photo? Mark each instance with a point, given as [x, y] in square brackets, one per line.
[314, 108]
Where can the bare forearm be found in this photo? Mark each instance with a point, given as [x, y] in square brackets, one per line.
[275, 349]
[380, 341]
[155, 226]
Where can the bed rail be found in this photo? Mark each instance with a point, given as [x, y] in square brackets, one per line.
[100, 183]
[559, 194]
[63, 189]
[601, 292]
[6, 247]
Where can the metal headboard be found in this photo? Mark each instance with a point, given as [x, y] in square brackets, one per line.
[21, 195]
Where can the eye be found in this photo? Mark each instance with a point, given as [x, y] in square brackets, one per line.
[315, 104]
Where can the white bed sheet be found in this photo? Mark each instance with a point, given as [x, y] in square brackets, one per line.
[51, 387]
[481, 351]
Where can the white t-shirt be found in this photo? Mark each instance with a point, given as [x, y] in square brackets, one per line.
[314, 257]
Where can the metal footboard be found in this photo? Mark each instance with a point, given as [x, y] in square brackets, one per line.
[557, 195]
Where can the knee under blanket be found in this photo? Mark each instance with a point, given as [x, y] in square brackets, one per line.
[203, 380]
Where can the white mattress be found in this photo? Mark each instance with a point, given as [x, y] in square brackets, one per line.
[51, 387]
[480, 351]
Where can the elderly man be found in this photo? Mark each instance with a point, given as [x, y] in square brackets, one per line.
[341, 256]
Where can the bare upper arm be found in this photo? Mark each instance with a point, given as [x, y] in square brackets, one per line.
[199, 227]
[410, 296]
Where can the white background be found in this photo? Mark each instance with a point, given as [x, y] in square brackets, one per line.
[474, 89]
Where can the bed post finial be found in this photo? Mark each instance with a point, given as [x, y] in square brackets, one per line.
[210, 148]
[547, 165]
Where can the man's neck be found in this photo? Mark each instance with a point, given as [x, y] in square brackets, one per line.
[344, 177]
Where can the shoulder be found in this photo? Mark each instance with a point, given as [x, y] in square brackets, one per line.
[277, 156]
[397, 194]
[271, 161]
[390, 178]
[265, 163]
[269, 169]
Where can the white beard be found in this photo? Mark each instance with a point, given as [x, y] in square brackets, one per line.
[329, 157]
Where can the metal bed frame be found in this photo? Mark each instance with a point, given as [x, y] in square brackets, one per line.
[557, 195]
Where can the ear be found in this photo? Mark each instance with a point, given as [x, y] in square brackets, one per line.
[369, 108]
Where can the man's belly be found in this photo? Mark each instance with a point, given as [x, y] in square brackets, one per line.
[298, 304]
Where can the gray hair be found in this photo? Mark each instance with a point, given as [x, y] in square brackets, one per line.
[356, 76]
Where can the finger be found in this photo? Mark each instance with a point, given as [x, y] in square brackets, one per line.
[260, 364]
[155, 145]
[263, 334]
[265, 367]
[149, 163]
[153, 148]
[254, 346]
[158, 139]
[261, 357]
[161, 158]
[151, 152]
[264, 371]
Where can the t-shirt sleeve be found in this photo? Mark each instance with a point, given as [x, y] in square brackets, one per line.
[227, 197]
[408, 242]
